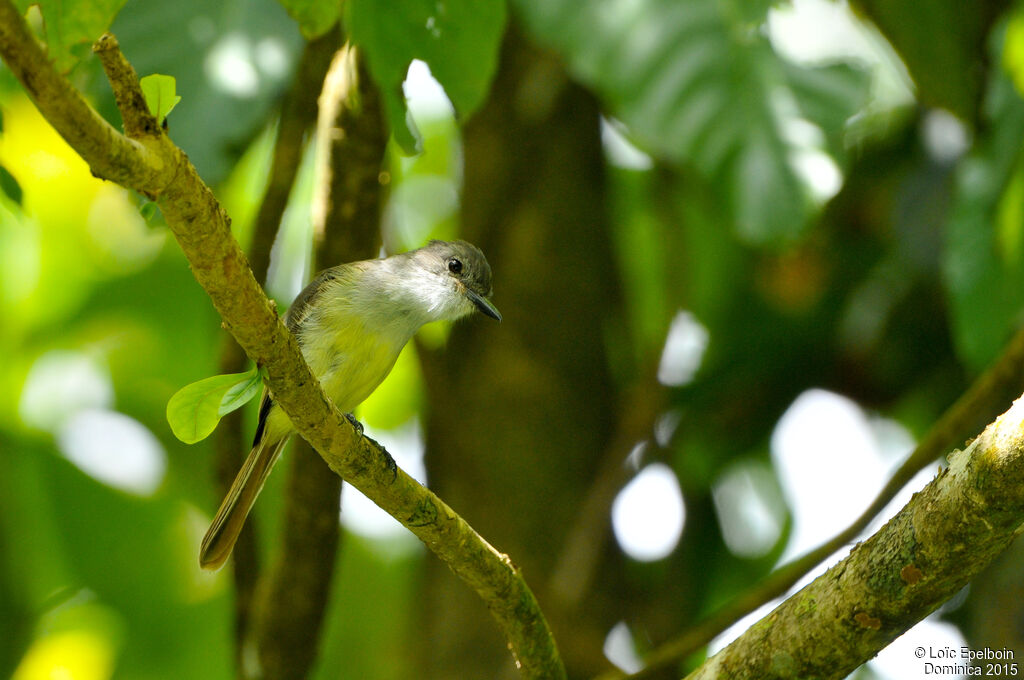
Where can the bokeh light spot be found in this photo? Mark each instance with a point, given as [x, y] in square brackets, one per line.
[114, 449]
[620, 650]
[230, 68]
[71, 655]
[684, 349]
[59, 384]
[648, 514]
[750, 509]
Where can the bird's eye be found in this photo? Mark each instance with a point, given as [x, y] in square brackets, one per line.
[455, 265]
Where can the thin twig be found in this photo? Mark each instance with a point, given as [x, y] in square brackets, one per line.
[136, 117]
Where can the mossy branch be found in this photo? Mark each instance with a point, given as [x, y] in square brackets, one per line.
[151, 164]
[923, 556]
[984, 399]
[351, 142]
[287, 623]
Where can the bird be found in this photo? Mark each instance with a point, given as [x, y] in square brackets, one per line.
[351, 322]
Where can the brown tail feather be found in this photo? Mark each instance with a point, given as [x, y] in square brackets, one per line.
[223, 532]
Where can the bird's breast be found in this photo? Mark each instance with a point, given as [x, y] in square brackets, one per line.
[349, 358]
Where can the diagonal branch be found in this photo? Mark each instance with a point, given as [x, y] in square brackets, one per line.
[298, 115]
[110, 154]
[350, 142]
[981, 401]
[201, 227]
[923, 556]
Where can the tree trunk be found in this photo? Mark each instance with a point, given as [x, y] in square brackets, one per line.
[528, 405]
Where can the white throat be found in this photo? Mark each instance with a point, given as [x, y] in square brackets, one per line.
[399, 293]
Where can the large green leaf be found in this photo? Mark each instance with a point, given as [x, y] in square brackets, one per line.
[942, 42]
[458, 39]
[314, 16]
[697, 83]
[984, 263]
[194, 41]
[70, 26]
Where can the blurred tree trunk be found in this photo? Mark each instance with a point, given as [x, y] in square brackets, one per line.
[520, 422]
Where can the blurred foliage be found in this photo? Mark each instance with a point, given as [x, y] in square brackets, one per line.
[69, 29]
[314, 18]
[458, 40]
[231, 60]
[821, 232]
[947, 72]
[698, 83]
[984, 259]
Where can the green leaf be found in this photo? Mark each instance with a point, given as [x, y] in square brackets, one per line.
[70, 26]
[161, 96]
[149, 211]
[458, 39]
[313, 16]
[241, 393]
[828, 96]
[194, 410]
[940, 44]
[984, 267]
[9, 185]
[698, 84]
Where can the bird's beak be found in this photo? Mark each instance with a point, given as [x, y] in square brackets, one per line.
[483, 304]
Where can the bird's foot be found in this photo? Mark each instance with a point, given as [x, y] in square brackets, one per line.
[355, 423]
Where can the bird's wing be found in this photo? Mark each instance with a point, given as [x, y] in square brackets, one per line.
[305, 301]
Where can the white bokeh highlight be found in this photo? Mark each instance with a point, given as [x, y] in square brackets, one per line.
[360, 515]
[60, 383]
[648, 514]
[115, 449]
[620, 650]
[750, 509]
[816, 32]
[685, 344]
[832, 459]
[619, 150]
[829, 466]
[945, 137]
[424, 96]
[230, 66]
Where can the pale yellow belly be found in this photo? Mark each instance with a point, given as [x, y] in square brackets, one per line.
[354, 376]
[350, 366]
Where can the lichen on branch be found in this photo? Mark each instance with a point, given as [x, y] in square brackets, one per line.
[924, 555]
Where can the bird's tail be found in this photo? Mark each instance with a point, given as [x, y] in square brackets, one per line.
[223, 532]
